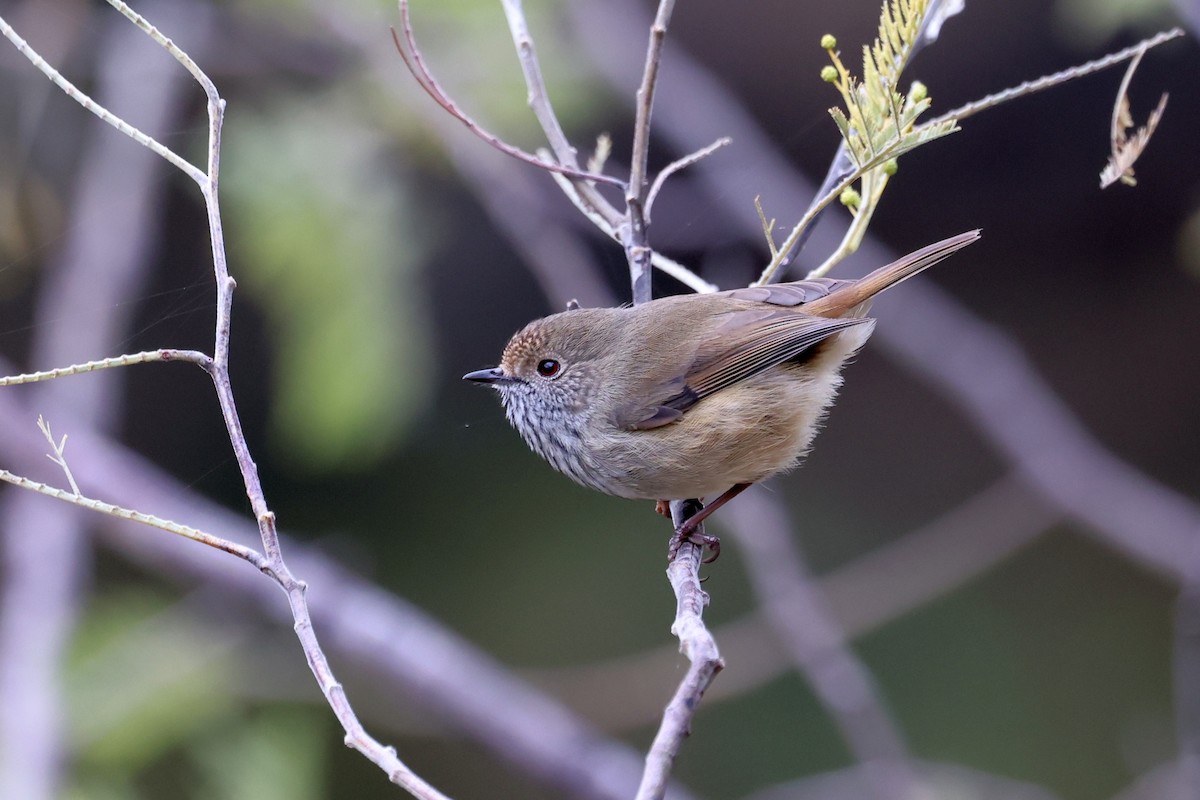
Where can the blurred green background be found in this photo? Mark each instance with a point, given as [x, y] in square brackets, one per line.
[374, 269]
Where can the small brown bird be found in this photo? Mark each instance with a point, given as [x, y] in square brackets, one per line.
[692, 395]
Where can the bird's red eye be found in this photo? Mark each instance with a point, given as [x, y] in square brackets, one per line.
[548, 367]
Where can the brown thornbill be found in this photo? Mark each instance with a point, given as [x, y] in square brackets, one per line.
[693, 395]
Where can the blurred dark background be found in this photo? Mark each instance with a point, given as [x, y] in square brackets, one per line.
[375, 267]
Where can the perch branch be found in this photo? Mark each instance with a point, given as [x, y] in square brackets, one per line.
[700, 648]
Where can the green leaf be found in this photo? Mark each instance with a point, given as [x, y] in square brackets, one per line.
[919, 136]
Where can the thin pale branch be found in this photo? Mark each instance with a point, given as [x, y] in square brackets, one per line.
[59, 455]
[679, 272]
[768, 227]
[147, 357]
[626, 228]
[645, 102]
[272, 562]
[700, 648]
[539, 103]
[245, 553]
[91, 105]
[664, 264]
[210, 89]
[538, 97]
[599, 156]
[634, 235]
[1048, 81]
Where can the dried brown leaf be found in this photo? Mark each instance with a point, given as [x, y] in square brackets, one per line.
[1127, 149]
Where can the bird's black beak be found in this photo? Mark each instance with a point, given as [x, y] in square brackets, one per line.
[491, 376]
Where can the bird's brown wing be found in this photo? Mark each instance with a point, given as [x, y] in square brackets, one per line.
[787, 294]
[743, 345]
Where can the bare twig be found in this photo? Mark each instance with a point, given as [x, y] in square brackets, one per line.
[627, 228]
[1049, 81]
[645, 103]
[148, 357]
[218, 370]
[578, 184]
[539, 103]
[100, 264]
[768, 227]
[91, 105]
[75, 498]
[59, 455]
[697, 644]
[634, 235]
[665, 265]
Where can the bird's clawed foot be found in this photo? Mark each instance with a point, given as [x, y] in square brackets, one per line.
[687, 533]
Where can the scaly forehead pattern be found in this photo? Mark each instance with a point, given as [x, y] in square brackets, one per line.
[526, 345]
[570, 335]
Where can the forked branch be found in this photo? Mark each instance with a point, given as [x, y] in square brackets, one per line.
[270, 561]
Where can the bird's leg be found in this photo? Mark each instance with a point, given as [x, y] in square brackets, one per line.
[663, 507]
[686, 532]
